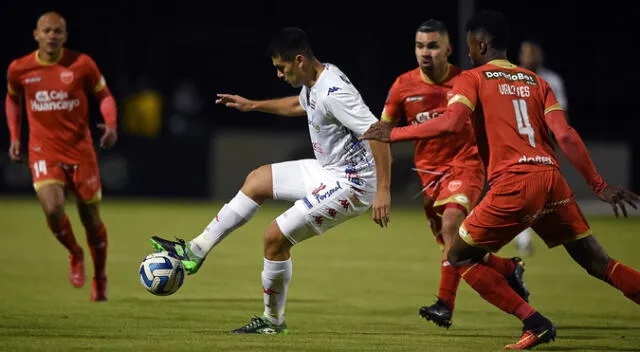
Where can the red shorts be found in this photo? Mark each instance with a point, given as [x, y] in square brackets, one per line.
[541, 200]
[82, 179]
[456, 186]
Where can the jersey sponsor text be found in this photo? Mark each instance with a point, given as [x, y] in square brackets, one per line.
[53, 100]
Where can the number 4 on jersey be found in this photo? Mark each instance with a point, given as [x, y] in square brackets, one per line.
[522, 118]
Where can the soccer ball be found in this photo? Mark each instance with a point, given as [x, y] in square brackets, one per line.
[161, 273]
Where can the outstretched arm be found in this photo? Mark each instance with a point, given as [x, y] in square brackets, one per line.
[451, 122]
[289, 106]
[576, 151]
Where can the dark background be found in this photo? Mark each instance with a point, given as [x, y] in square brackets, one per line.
[219, 46]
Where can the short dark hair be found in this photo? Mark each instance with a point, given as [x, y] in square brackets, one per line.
[432, 25]
[495, 24]
[288, 43]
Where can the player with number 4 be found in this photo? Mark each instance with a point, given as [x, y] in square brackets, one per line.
[515, 111]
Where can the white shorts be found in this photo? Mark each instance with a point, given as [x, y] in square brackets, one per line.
[322, 200]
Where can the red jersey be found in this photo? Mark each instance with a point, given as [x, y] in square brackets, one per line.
[416, 100]
[56, 103]
[510, 105]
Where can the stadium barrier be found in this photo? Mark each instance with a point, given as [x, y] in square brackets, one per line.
[235, 153]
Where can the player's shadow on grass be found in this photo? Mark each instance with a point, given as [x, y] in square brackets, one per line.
[466, 336]
[587, 348]
[217, 300]
[597, 327]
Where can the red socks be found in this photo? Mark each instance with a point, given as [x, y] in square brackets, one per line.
[450, 277]
[98, 246]
[504, 266]
[64, 234]
[449, 281]
[493, 287]
[624, 279]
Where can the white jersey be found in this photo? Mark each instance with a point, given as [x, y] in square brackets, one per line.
[337, 116]
[556, 83]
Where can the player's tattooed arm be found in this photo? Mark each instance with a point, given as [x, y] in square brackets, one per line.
[288, 106]
[379, 131]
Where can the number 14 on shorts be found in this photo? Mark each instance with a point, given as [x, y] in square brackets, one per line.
[39, 168]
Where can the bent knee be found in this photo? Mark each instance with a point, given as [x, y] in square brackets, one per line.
[275, 239]
[258, 174]
[92, 225]
[53, 210]
[276, 244]
[454, 258]
[452, 218]
[450, 230]
[258, 184]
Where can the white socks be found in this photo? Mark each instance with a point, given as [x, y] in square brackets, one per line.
[232, 215]
[276, 276]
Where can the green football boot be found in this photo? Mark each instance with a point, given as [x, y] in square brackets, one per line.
[262, 325]
[179, 250]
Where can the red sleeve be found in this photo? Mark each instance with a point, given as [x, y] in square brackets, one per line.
[14, 116]
[393, 108]
[96, 83]
[109, 111]
[12, 107]
[13, 80]
[575, 150]
[448, 123]
[459, 109]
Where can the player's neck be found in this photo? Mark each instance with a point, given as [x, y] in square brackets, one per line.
[437, 76]
[316, 69]
[49, 57]
[495, 55]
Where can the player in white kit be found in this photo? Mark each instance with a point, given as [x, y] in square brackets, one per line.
[346, 178]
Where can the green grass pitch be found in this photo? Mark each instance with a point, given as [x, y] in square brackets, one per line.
[356, 288]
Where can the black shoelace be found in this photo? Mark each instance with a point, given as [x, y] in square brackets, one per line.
[255, 324]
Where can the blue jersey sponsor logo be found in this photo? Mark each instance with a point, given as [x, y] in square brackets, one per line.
[333, 90]
[307, 203]
[324, 195]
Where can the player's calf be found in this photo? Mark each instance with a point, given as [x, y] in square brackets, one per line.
[512, 269]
